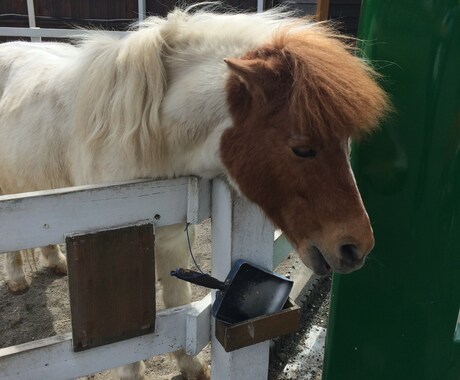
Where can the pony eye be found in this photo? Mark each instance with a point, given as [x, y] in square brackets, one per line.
[304, 152]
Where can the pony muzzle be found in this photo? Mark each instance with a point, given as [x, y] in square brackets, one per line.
[345, 258]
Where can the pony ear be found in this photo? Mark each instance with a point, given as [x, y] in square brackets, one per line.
[250, 71]
[261, 77]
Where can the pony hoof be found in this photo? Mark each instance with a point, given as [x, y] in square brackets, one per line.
[60, 269]
[204, 374]
[18, 287]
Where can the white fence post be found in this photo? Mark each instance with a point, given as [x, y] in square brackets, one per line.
[239, 231]
[141, 9]
[260, 6]
[32, 22]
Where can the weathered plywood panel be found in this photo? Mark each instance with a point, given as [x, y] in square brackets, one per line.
[111, 285]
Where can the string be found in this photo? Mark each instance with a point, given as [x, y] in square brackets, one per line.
[190, 248]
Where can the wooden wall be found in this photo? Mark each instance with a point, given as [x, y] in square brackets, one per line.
[110, 14]
[118, 14]
[346, 12]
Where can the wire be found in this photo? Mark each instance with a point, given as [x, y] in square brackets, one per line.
[190, 248]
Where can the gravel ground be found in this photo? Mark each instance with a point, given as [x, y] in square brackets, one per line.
[44, 311]
[300, 355]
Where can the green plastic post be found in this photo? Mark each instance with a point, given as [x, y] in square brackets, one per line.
[395, 318]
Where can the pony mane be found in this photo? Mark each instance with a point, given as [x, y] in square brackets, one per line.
[123, 81]
[200, 25]
[333, 90]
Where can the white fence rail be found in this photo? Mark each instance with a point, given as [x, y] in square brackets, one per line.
[37, 33]
[48, 216]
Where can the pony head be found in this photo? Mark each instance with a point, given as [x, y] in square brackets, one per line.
[295, 103]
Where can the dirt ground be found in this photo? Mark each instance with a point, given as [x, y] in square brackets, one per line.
[44, 311]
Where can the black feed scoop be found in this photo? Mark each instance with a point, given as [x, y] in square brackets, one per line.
[248, 291]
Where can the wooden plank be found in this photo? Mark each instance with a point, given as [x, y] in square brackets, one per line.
[66, 8]
[198, 328]
[54, 359]
[75, 9]
[260, 329]
[115, 10]
[85, 8]
[322, 10]
[281, 249]
[240, 231]
[50, 32]
[111, 285]
[130, 10]
[48, 216]
[198, 200]
[13, 7]
[141, 9]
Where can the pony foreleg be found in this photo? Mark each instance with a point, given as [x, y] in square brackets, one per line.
[15, 276]
[54, 259]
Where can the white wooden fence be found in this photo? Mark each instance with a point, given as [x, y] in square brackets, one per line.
[239, 230]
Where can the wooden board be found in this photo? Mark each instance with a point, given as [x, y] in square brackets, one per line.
[48, 216]
[322, 10]
[260, 329]
[111, 285]
[240, 230]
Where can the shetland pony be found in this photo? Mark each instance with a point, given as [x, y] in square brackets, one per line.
[267, 100]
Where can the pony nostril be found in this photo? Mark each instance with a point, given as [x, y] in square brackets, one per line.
[349, 252]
